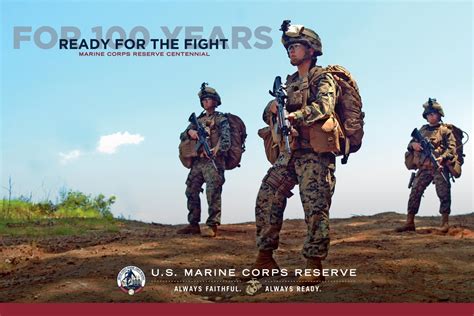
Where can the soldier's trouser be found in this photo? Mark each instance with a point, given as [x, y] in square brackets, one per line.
[202, 171]
[314, 173]
[423, 178]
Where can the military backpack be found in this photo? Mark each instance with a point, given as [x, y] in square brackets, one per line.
[238, 135]
[232, 157]
[413, 160]
[455, 165]
[348, 110]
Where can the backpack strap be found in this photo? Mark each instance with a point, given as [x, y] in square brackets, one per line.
[313, 75]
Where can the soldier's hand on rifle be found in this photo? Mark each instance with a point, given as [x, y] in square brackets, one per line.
[273, 107]
[213, 152]
[193, 134]
[291, 117]
[294, 132]
[416, 147]
[440, 163]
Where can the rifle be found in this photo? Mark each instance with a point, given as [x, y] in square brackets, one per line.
[202, 139]
[427, 150]
[284, 126]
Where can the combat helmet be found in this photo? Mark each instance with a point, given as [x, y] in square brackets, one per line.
[208, 92]
[300, 34]
[432, 106]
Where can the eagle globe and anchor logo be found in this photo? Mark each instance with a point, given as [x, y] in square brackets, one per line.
[131, 280]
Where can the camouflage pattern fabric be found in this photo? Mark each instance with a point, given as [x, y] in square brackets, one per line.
[315, 175]
[444, 145]
[202, 171]
[313, 172]
[423, 178]
[443, 141]
[217, 125]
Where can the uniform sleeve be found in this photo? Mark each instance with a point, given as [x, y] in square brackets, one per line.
[410, 144]
[450, 151]
[409, 147]
[224, 137]
[323, 105]
[184, 135]
[413, 140]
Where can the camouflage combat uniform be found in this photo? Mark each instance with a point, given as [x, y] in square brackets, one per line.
[312, 171]
[203, 171]
[445, 146]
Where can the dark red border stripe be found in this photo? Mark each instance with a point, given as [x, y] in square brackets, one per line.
[139, 309]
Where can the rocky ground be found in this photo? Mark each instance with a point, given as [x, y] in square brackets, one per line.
[426, 266]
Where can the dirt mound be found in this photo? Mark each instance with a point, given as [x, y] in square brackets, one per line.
[454, 231]
[421, 266]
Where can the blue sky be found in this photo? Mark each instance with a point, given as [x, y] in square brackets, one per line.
[55, 102]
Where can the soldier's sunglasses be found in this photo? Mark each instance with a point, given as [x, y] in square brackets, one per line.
[294, 46]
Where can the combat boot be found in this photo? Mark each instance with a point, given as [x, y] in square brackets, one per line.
[191, 229]
[444, 228]
[312, 279]
[409, 225]
[209, 231]
[265, 261]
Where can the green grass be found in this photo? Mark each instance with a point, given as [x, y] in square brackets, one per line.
[76, 214]
[17, 209]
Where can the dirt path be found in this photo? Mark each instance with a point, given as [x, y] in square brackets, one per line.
[426, 266]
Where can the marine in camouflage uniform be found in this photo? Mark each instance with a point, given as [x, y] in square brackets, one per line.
[444, 144]
[312, 171]
[202, 169]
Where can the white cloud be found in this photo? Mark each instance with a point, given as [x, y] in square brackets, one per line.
[67, 157]
[108, 144]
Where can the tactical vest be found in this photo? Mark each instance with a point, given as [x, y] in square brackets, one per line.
[436, 136]
[187, 151]
[321, 136]
[340, 134]
[232, 157]
[210, 124]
